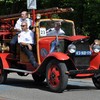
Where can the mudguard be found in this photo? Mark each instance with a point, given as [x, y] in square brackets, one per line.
[95, 61]
[55, 55]
[58, 55]
[3, 57]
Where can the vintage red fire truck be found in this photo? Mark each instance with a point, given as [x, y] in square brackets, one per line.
[73, 55]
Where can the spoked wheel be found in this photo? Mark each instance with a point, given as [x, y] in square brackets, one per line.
[3, 74]
[55, 75]
[96, 81]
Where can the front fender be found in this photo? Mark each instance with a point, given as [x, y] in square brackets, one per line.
[55, 55]
[58, 55]
[95, 61]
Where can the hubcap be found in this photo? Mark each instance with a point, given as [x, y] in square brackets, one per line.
[54, 76]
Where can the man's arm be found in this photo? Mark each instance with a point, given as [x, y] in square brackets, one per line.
[17, 27]
[26, 44]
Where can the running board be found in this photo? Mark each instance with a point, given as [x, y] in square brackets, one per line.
[18, 70]
[74, 72]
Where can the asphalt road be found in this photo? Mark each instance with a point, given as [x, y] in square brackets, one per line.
[24, 88]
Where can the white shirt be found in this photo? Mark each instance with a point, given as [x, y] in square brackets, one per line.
[26, 37]
[20, 20]
[53, 32]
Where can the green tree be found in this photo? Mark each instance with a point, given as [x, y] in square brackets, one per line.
[86, 15]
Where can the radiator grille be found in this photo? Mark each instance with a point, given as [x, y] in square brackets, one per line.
[82, 45]
[82, 62]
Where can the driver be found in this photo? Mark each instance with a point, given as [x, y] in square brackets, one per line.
[56, 31]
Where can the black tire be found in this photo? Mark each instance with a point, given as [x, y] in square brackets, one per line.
[96, 81]
[3, 74]
[38, 78]
[55, 75]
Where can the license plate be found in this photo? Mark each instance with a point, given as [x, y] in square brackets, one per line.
[82, 53]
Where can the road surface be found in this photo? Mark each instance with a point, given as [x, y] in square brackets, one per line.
[24, 88]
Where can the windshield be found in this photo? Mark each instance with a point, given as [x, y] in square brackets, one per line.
[52, 28]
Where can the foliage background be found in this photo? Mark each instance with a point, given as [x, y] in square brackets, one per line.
[86, 13]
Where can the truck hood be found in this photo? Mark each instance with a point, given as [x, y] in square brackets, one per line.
[75, 38]
[69, 38]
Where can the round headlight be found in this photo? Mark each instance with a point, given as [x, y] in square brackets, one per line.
[72, 48]
[96, 48]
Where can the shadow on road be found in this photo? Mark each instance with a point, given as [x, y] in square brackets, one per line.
[24, 83]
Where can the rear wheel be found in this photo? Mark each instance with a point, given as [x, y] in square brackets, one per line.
[3, 74]
[55, 75]
[96, 81]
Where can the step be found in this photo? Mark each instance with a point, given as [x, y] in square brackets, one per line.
[18, 70]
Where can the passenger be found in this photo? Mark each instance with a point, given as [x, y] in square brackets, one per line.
[26, 41]
[17, 28]
[56, 31]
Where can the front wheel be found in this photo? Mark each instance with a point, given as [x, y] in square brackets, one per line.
[55, 75]
[96, 81]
